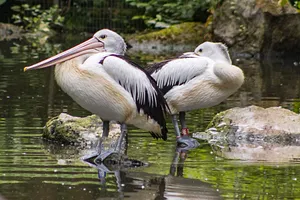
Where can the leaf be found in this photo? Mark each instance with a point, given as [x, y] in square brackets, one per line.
[142, 5]
[159, 17]
[297, 5]
[25, 6]
[171, 5]
[16, 8]
[138, 17]
[2, 2]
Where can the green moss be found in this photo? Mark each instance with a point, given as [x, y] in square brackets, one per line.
[220, 123]
[185, 33]
[67, 130]
[222, 126]
[56, 131]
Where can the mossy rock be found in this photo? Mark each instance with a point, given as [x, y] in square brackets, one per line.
[66, 129]
[185, 33]
[255, 133]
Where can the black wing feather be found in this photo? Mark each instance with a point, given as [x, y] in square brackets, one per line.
[156, 112]
[158, 66]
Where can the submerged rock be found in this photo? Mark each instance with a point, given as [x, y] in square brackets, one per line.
[82, 131]
[255, 133]
[258, 26]
[83, 134]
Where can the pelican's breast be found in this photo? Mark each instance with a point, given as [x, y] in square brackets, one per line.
[194, 95]
[206, 90]
[95, 91]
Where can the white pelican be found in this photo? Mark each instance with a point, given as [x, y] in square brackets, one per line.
[198, 79]
[98, 77]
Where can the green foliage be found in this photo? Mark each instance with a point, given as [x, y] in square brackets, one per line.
[2, 2]
[33, 18]
[297, 4]
[157, 12]
[92, 15]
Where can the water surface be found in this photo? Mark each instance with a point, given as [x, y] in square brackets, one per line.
[33, 169]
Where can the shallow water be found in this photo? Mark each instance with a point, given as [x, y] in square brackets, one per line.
[32, 169]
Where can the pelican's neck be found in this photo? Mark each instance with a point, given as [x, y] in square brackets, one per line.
[69, 69]
[119, 48]
[222, 56]
[229, 75]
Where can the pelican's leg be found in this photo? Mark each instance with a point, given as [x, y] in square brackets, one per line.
[176, 127]
[105, 132]
[123, 134]
[99, 147]
[184, 139]
[184, 129]
[116, 151]
[105, 128]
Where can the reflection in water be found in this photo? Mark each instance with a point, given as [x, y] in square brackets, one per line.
[30, 169]
[133, 185]
[180, 155]
[177, 187]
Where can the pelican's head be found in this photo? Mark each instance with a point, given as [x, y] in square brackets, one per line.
[103, 40]
[214, 51]
[112, 41]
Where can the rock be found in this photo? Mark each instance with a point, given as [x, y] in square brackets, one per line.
[67, 129]
[9, 31]
[257, 27]
[255, 133]
[180, 38]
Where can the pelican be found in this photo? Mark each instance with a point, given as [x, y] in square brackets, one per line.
[195, 80]
[100, 79]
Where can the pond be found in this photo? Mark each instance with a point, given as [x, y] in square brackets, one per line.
[33, 169]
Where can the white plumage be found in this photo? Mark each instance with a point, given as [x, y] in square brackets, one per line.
[198, 79]
[179, 71]
[133, 79]
[114, 91]
[100, 79]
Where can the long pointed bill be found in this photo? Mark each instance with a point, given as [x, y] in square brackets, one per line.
[86, 47]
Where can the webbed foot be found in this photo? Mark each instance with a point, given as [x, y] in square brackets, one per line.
[110, 157]
[187, 142]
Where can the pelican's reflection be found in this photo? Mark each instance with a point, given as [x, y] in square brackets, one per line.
[177, 165]
[142, 185]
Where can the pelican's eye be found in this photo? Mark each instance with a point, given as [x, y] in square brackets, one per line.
[103, 36]
[200, 50]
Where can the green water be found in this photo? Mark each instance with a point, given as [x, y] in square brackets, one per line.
[34, 170]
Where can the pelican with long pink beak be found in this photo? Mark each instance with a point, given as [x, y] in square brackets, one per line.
[100, 79]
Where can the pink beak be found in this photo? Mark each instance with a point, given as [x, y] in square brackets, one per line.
[86, 47]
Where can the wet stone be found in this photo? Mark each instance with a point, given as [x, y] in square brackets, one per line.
[255, 133]
[82, 131]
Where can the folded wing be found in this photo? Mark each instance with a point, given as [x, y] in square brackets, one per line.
[171, 73]
[142, 87]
